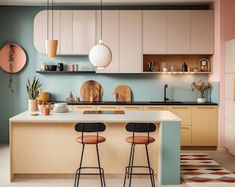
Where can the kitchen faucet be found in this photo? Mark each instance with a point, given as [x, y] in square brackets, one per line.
[165, 98]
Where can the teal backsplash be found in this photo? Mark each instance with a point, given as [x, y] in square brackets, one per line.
[17, 26]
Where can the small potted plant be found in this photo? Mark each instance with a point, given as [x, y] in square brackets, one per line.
[33, 89]
[202, 87]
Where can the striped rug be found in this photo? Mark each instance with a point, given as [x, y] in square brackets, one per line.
[201, 168]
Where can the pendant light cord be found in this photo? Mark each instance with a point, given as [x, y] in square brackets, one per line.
[101, 17]
[47, 19]
[52, 9]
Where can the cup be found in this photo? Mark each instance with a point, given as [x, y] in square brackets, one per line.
[60, 66]
[46, 111]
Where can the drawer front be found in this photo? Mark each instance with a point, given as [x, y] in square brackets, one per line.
[131, 107]
[107, 107]
[183, 112]
[186, 136]
[155, 108]
[83, 107]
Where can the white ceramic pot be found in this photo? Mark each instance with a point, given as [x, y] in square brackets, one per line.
[201, 100]
[32, 105]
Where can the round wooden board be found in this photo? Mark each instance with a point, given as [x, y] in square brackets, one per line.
[123, 92]
[91, 87]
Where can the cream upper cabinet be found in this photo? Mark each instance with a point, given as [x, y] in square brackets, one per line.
[202, 32]
[84, 27]
[178, 32]
[75, 30]
[110, 28]
[66, 32]
[154, 32]
[41, 33]
[130, 40]
[204, 126]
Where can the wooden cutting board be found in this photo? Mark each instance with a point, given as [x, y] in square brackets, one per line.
[91, 91]
[123, 93]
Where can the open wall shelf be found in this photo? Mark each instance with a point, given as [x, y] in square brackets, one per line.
[65, 72]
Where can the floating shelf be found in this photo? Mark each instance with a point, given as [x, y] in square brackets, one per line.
[177, 72]
[65, 72]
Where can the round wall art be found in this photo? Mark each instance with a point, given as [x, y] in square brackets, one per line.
[12, 58]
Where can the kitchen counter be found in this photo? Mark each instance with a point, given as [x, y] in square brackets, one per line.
[45, 147]
[141, 103]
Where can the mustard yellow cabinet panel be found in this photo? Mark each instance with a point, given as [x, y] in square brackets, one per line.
[204, 126]
[186, 135]
[184, 112]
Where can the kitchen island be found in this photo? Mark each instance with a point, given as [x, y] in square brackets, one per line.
[45, 146]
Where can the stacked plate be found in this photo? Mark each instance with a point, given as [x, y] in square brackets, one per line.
[60, 107]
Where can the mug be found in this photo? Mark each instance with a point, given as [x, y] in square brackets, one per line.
[46, 111]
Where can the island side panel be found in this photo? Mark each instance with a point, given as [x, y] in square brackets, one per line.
[47, 149]
[169, 153]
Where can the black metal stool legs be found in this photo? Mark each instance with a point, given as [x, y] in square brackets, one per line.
[151, 173]
[78, 172]
[129, 169]
[102, 180]
[101, 170]
[132, 163]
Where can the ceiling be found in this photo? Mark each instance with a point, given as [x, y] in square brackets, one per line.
[105, 2]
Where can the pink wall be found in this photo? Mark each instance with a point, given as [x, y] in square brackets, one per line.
[224, 31]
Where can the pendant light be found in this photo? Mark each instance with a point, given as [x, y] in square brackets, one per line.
[51, 44]
[100, 55]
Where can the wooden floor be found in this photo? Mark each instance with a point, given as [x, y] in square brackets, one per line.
[224, 158]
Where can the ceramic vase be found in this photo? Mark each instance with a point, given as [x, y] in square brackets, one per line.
[201, 100]
[32, 105]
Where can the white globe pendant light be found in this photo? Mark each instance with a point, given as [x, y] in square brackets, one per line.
[100, 55]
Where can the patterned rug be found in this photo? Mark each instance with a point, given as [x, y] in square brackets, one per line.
[201, 168]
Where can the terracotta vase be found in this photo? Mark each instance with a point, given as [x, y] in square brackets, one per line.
[32, 105]
[46, 111]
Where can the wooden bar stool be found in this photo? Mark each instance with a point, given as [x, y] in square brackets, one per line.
[92, 140]
[139, 140]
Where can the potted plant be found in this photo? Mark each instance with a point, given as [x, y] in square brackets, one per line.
[202, 87]
[33, 89]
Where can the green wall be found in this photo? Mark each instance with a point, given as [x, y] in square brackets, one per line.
[17, 26]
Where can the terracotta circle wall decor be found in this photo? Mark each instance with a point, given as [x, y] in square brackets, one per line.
[12, 58]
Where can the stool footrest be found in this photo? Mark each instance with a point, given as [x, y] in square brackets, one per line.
[145, 167]
[82, 168]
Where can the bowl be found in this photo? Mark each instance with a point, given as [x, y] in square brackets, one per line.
[51, 67]
[60, 105]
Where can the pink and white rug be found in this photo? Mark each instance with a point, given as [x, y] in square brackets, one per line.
[201, 168]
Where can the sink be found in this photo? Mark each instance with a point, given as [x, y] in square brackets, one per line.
[166, 102]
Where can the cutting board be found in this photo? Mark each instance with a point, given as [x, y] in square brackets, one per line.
[91, 91]
[122, 93]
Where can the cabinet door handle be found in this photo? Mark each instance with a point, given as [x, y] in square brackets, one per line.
[132, 107]
[205, 107]
[175, 107]
[183, 127]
